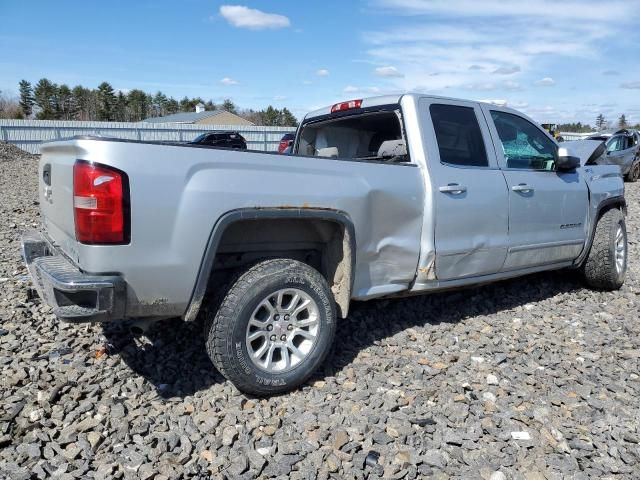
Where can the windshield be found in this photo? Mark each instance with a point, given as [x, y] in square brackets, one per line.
[376, 135]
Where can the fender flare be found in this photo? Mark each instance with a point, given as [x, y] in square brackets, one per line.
[206, 264]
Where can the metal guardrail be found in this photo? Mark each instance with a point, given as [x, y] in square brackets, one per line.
[29, 134]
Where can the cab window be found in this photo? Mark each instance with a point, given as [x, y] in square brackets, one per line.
[525, 146]
[459, 136]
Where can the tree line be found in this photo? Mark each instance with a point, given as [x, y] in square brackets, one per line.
[601, 124]
[47, 100]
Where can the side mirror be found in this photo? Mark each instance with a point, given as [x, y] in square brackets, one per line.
[566, 161]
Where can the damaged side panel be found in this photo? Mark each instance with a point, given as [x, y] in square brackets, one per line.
[383, 200]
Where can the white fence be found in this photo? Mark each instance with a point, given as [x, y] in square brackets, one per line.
[29, 134]
[576, 136]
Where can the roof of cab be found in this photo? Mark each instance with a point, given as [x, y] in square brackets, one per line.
[395, 99]
[366, 103]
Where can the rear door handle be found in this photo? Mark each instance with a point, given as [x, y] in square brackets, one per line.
[453, 188]
[522, 187]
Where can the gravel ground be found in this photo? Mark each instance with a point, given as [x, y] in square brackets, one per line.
[527, 379]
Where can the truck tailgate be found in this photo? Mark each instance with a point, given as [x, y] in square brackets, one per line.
[56, 194]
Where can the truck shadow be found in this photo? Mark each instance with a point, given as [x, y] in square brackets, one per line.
[370, 322]
[172, 357]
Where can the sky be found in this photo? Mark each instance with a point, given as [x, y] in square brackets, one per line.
[556, 60]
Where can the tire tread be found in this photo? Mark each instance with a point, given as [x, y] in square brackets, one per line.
[600, 266]
[219, 321]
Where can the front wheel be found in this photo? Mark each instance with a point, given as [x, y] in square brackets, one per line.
[273, 328]
[606, 265]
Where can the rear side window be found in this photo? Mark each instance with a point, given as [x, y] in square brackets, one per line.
[459, 137]
[368, 136]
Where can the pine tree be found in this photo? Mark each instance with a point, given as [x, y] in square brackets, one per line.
[26, 98]
[172, 106]
[269, 117]
[106, 102]
[81, 99]
[622, 121]
[120, 110]
[138, 105]
[288, 120]
[159, 104]
[44, 96]
[229, 106]
[600, 122]
[64, 103]
[185, 105]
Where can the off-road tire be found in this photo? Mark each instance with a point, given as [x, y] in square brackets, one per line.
[599, 269]
[226, 326]
[634, 172]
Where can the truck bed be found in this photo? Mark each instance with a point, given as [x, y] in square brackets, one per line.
[179, 192]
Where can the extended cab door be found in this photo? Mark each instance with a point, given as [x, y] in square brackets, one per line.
[547, 208]
[470, 201]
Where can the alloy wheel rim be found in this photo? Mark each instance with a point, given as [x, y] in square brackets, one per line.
[621, 249]
[282, 330]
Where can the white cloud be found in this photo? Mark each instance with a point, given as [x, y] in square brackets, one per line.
[500, 103]
[387, 72]
[517, 105]
[511, 85]
[545, 82]
[572, 9]
[251, 18]
[350, 89]
[479, 86]
[323, 72]
[445, 46]
[612, 73]
[279, 98]
[228, 81]
[507, 69]
[631, 85]
[307, 82]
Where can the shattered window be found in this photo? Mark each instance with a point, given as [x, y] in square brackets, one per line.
[524, 145]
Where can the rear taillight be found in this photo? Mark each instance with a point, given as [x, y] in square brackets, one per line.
[351, 104]
[100, 204]
[283, 145]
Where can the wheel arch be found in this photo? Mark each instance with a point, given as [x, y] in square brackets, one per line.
[223, 224]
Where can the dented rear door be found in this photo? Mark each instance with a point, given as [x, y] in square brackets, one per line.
[469, 191]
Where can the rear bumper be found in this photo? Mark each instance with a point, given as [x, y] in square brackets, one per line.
[74, 296]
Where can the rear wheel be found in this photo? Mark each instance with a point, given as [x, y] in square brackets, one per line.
[273, 328]
[606, 265]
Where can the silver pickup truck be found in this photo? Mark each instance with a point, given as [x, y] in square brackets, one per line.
[382, 197]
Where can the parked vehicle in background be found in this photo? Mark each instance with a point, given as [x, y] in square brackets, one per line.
[286, 142]
[221, 139]
[383, 197]
[553, 130]
[622, 149]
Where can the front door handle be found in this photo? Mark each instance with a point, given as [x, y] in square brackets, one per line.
[522, 187]
[453, 188]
